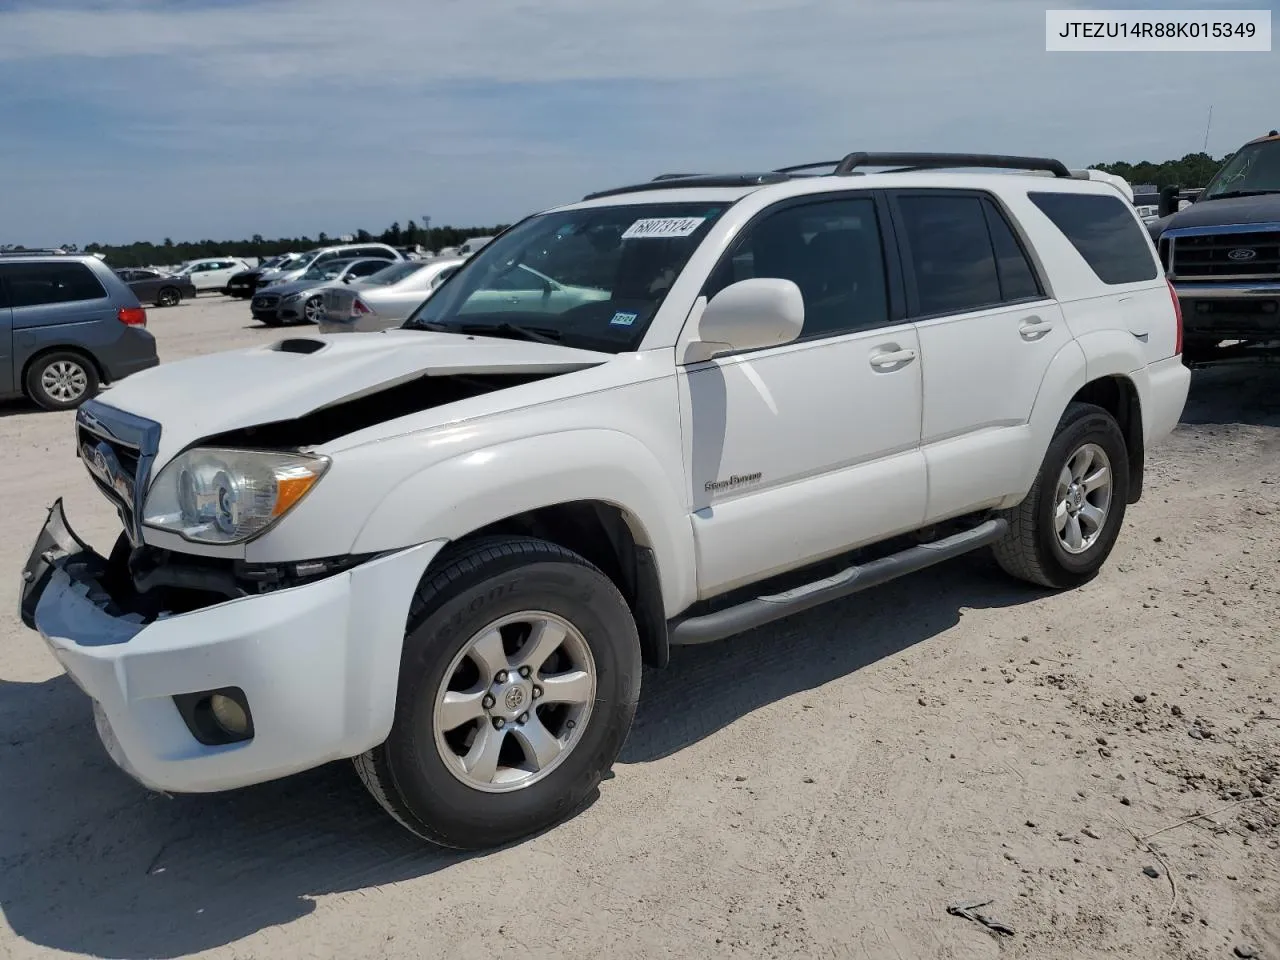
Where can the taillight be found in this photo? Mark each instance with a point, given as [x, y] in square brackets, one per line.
[1177, 310]
[358, 308]
[132, 316]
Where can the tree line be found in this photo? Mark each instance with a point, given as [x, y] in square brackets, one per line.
[1190, 173]
[168, 253]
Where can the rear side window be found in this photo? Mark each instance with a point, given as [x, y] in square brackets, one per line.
[1104, 231]
[951, 253]
[34, 284]
[1017, 277]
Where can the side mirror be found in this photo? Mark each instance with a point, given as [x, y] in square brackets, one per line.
[748, 315]
[1168, 201]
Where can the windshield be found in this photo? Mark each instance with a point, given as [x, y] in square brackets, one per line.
[393, 273]
[1255, 169]
[591, 278]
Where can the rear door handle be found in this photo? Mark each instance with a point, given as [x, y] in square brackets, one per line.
[892, 358]
[1033, 328]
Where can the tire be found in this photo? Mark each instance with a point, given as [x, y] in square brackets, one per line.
[1033, 550]
[417, 773]
[61, 380]
[168, 297]
[313, 310]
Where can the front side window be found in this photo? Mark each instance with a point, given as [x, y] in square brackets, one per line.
[1105, 231]
[830, 249]
[591, 277]
[34, 284]
[951, 253]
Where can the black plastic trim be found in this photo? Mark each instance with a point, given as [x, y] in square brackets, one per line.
[763, 610]
[197, 713]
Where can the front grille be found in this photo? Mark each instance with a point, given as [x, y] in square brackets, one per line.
[268, 301]
[1225, 255]
[113, 467]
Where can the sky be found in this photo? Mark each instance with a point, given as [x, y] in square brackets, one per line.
[125, 120]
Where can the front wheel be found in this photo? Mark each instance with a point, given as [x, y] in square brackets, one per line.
[518, 685]
[1063, 532]
[313, 310]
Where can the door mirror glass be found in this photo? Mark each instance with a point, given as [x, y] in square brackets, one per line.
[748, 315]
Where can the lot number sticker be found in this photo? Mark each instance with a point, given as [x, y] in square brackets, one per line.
[663, 228]
[623, 319]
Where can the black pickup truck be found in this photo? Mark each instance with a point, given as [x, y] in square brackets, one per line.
[1222, 254]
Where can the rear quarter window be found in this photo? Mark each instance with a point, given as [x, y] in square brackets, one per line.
[1104, 231]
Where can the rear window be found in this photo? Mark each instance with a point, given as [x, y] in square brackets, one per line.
[34, 284]
[1104, 231]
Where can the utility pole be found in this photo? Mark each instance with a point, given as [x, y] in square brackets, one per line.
[1206, 129]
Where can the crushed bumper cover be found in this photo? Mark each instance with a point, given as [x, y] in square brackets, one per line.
[318, 663]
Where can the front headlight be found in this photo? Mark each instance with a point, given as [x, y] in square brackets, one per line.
[213, 495]
[293, 298]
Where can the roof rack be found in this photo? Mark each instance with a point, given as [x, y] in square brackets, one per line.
[934, 161]
[673, 180]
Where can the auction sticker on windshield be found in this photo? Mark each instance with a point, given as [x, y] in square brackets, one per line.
[663, 228]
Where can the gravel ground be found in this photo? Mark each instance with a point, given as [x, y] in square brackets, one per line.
[821, 788]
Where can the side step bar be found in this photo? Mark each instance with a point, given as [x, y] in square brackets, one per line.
[762, 610]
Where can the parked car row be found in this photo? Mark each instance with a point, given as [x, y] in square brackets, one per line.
[296, 301]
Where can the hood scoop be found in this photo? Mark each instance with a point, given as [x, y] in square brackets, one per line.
[299, 345]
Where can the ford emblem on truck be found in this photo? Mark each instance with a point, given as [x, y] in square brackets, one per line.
[1241, 254]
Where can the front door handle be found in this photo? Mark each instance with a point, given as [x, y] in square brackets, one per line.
[1033, 328]
[892, 358]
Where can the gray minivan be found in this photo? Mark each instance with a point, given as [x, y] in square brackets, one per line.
[67, 325]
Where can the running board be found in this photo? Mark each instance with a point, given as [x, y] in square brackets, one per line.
[762, 610]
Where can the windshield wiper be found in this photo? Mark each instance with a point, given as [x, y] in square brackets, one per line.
[536, 334]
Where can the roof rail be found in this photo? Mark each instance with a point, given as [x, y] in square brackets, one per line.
[36, 252]
[797, 168]
[704, 180]
[928, 161]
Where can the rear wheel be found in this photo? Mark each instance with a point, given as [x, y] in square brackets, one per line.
[168, 297]
[518, 685]
[61, 380]
[1063, 532]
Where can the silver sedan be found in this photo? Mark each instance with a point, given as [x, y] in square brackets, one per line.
[386, 298]
[300, 301]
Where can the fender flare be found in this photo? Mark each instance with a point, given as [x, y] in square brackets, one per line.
[452, 498]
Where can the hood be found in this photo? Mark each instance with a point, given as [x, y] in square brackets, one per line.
[219, 392]
[1231, 210]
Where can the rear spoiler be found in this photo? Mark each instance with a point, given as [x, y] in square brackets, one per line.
[1120, 183]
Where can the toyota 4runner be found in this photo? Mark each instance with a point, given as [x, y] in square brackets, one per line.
[663, 415]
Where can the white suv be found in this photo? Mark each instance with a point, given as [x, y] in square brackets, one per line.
[211, 274]
[446, 550]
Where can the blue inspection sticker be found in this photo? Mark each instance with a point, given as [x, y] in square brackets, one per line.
[623, 319]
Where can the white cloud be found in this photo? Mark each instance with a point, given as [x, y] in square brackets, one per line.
[289, 111]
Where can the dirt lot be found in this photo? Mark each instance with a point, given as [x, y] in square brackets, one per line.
[823, 788]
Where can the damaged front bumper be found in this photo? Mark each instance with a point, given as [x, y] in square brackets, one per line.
[316, 665]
